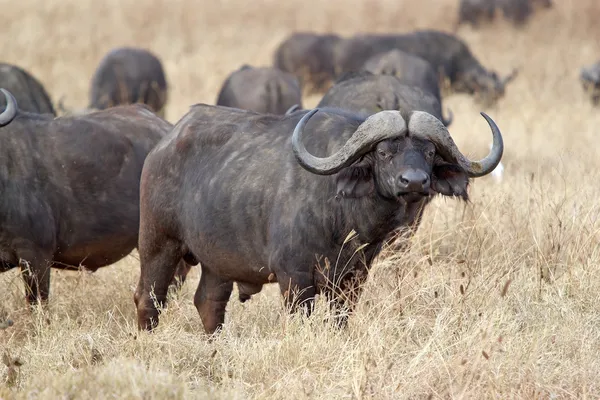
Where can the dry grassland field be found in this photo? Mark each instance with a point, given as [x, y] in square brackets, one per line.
[496, 299]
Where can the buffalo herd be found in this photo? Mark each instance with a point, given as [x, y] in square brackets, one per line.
[254, 189]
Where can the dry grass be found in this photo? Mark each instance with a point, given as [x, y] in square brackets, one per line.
[495, 300]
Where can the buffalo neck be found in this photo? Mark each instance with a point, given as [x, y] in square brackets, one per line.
[375, 218]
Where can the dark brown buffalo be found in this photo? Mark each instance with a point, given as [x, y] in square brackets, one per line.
[264, 90]
[29, 92]
[446, 53]
[519, 11]
[473, 11]
[127, 76]
[516, 11]
[590, 80]
[410, 69]
[309, 56]
[259, 198]
[70, 188]
[366, 93]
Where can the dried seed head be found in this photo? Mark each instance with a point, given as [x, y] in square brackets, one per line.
[505, 288]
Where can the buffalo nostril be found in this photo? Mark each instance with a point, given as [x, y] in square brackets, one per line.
[413, 180]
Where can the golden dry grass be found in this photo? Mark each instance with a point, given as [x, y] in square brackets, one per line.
[495, 300]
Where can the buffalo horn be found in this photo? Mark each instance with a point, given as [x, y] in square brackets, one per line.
[427, 126]
[378, 127]
[11, 108]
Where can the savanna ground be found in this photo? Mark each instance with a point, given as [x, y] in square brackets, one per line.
[498, 299]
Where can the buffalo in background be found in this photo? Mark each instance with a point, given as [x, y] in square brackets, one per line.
[27, 90]
[516, 11]
[70, 188]
[590, 80]
[309, 56]
[408, 68]
[264, 90]
[447, 54]
[127, 76]
[366, 93]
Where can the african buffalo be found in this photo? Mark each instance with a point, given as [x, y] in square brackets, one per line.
[590, 79]
[29, 92]
[517, 11]
[264, 90]
[472, 11]
[70, 188]
[446, 53]
[366, 93]
[127, 76]
[408, 68]
[239, 193]
[309, 56]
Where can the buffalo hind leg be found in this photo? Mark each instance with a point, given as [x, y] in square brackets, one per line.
[183, 269]
[211, 299]
[158, 265]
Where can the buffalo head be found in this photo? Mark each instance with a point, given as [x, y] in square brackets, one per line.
[486, 85]
[400, 160]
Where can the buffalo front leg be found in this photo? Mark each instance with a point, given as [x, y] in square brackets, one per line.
[343, 298]
[298, 292]
[211, 299]
[35, 269]
[158, 264]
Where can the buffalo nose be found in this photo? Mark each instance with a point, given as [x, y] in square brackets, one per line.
[413, 180]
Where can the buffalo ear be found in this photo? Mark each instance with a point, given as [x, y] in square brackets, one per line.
[450, 180]
[355, 181]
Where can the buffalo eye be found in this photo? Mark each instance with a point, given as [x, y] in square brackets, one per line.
[382, 153]
[430, 153]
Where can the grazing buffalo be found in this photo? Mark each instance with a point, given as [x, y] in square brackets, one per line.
[70, 188]
[29, 92]
[127, 76]
[446, 53]
[306, 200]
[472, 11]
[264, 90]
[309, 56]
[408, 68]
[590, 79]
[517, 11]
[365, 93]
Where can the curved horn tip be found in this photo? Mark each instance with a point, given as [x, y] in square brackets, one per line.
[487, 117]
[6, 93]
[488, 165]
[448, 121]
[310, 113]
[11, 109]
[292, 109]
